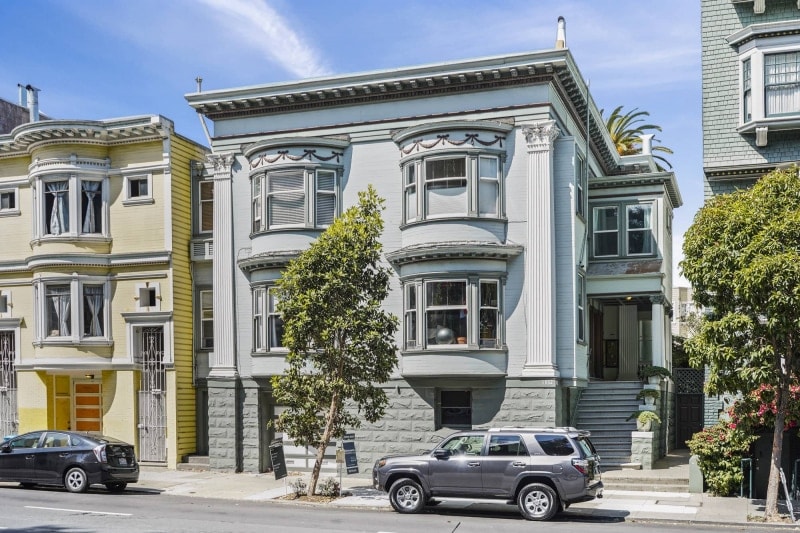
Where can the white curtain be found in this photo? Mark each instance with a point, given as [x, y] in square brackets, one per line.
[782, 73]
[90, 190]
[59, 211]
[59, 321]
[93, 294]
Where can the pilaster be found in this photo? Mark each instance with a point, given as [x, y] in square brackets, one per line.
[658, 334]
[223, 358]
[540, 256]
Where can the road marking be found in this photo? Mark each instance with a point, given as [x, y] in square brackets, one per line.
[77, 511]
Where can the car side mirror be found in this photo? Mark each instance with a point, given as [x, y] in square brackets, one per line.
[5, 448]
[441, 453]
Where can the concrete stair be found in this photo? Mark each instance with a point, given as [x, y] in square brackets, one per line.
[195, 463]
[603, 409]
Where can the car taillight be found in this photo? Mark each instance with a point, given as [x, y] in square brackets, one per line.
[581, 465]
[100, 453]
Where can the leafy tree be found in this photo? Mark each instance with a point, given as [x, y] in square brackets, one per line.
[626, 132]
[742, 256]
[340, 340]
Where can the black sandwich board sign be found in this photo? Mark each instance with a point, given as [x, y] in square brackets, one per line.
[278, 461]
[350, 459]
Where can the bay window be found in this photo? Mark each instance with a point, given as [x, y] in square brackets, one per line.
[458, 185]
[267, 322]
[72, 206]
[623, 230]
[782, 83]
[452, 313]
[73, 310]
[297, 197]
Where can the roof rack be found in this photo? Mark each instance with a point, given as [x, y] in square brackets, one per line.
[563, 429]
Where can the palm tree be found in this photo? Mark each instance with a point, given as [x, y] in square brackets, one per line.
[626, 132]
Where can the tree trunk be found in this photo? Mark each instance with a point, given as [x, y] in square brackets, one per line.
[773, 485]
[326, 437]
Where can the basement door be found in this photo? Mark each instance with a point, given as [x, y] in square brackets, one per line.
[152, 396]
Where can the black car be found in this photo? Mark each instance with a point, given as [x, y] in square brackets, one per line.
[71, 460]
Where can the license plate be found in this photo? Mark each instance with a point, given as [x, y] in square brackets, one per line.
[123, 461]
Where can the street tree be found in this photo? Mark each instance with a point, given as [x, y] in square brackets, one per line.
[340, 340]
[742, 256]
[626, 130]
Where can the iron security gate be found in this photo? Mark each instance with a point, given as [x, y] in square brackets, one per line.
[152, 391]
[688, 404]
[9, 423]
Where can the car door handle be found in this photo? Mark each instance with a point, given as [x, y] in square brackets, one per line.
[518, 463]
[474, 463]
[65, 454]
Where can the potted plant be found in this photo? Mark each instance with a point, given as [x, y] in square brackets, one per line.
[649, 396]
[653, 374]
[644, 420]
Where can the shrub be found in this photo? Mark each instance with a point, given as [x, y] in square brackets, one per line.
[648, 393]
[720, 449]
[654, 370]
[644, 416]
[755, 412]
[329, 487]
[299, 487]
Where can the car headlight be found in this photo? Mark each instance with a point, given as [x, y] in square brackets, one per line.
[380, 463]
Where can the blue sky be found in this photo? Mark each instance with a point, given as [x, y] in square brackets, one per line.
[96, 59]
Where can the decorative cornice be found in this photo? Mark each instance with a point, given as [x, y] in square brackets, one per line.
[763, 31]
[61, 261]
[267, 260]
[454, 250]
[665, 179]
[541, 135]
[739, 172]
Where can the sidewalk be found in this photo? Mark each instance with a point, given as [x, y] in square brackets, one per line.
[616, 505]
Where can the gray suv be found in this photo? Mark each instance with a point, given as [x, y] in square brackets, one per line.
[542, 470]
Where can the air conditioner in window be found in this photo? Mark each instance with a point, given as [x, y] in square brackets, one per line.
[208, 342]
[202, 250]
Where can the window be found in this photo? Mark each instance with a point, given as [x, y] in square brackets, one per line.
[580, 307]
[72, 207]
[206, 320]
[294, 198]
[205, 221]
[638, 237]
[138, 189]
[448, 314]
[267, 322]
[452, 186]
[747, 93]
[8, 201]
[581, 185]
[555, 444]
[455, 409]
[148, 296]
[506, 445]
[73, 310]
[782, 83]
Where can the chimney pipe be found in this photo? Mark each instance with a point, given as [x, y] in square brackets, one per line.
[22, 100]
[33, 102]
[561, 36]
[647, 144]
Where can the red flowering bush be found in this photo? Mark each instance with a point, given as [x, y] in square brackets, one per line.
[755, 412]
[719, 450]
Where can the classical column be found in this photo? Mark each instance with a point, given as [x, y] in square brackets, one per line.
[223, 358]
[540, 256]
[628, 343]
[659, 349]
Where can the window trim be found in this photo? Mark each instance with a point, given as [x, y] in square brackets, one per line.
[418, 184]
[580, 307]
[75, 201]
[202, 319]
[473, 307]
[260, 214]
[142, 198]
[262, 316]
[11, 211]
[622, 207]
[77, 319]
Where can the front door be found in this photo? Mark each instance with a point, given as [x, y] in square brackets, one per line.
[689, 403]
[9, 423]
[87, 406]
[152, 396]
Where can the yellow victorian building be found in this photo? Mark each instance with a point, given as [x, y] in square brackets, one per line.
[96, 304]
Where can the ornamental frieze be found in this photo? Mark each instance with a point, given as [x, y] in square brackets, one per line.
[285, 155]
[445, 139]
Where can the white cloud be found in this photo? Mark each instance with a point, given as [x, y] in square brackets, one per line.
[266, 30]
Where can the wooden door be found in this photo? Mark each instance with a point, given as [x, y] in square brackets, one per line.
[87, 406]
[689, 417]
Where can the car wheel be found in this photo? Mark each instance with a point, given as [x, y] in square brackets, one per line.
[27, 485]
[75, 480]
[116, 487]
[406, 496]
[537, 502]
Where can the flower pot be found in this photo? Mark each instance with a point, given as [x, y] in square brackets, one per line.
[649, 400]
[654, 380]
[644, 426]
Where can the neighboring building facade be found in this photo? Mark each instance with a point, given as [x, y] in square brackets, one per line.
[526, 265]
[96, 318]
[751, 99]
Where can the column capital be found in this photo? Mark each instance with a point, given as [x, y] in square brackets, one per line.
[540, 135]
[657, 299]
[220, 164]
